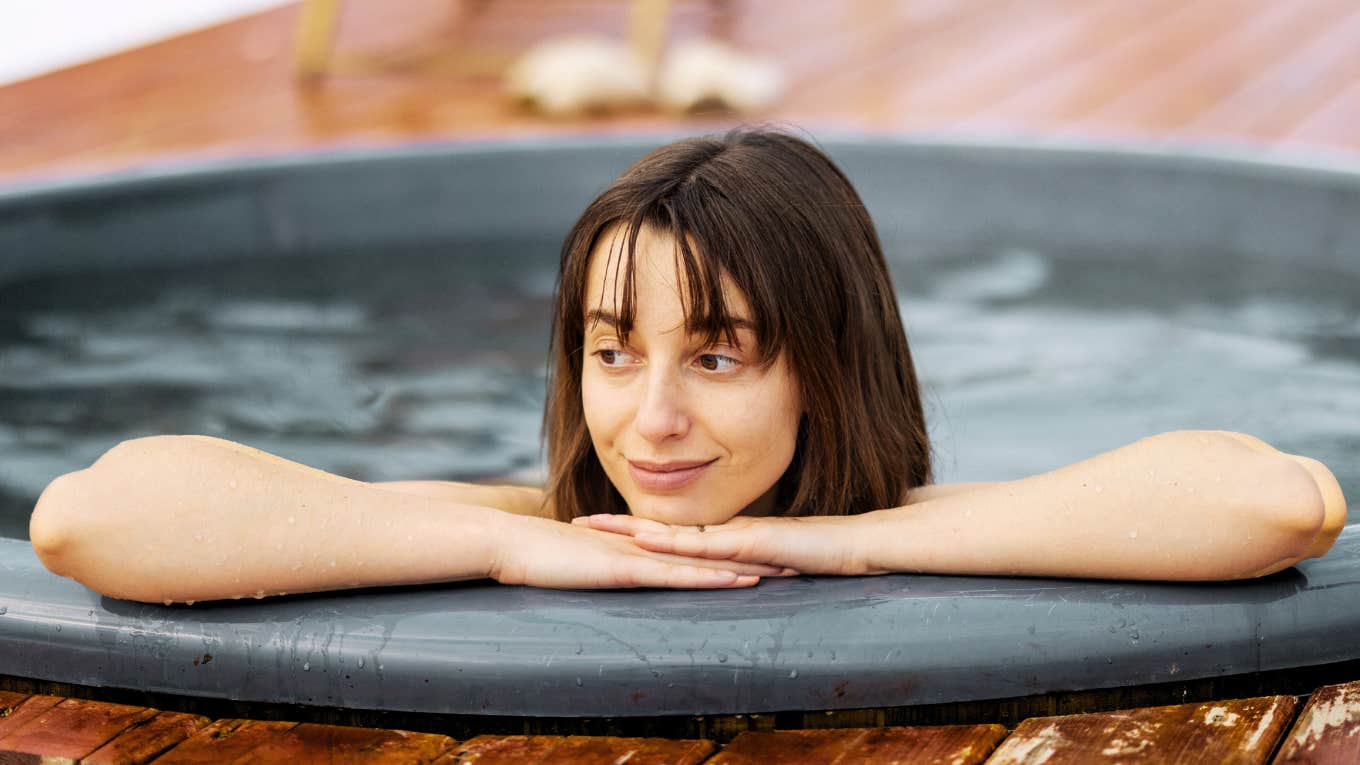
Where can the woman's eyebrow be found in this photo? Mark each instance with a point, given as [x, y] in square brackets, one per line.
[598, 316]
[611, 319]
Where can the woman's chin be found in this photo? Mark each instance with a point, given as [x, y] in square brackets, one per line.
[680, 511]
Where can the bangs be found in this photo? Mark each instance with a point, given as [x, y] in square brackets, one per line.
[707, 310]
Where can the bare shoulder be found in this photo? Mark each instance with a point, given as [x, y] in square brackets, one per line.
[519, 500]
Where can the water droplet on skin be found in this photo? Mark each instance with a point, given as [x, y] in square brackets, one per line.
[1133, 534]
[259, 594]
[306, 666]
[332, 562]
[1218, 479]
[297, 566]
[388, 524]
[291, 519]
[1100, 489]
[278, 545]
[168, 602]
[188, 602]
[231, 485]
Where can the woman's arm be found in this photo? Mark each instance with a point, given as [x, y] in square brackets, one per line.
[1186, 505]
[519, 500]
[187, 518]
[1192, 505]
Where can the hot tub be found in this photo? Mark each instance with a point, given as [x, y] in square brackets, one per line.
[384, 315]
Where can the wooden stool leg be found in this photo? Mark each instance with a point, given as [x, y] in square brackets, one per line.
[316, 35]
[647, 32]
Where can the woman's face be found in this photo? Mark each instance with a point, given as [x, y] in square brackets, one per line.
[688, 433]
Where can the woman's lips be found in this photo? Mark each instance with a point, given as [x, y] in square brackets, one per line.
[666, 476]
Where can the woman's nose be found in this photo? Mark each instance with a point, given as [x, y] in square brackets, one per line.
[661, 412]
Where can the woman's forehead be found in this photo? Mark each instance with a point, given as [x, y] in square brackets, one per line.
[656, 271]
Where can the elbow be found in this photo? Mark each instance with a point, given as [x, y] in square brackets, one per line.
[55, 527]
[1302, 515]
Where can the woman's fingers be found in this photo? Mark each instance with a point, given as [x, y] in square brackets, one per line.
[650, 572]
[712, 543]
[619, 523]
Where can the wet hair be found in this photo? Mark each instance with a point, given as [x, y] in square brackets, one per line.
[776, 216]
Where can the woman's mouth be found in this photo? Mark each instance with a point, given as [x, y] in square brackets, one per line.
[667, 476]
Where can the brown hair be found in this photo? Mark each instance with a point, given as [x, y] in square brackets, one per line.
[783, 222]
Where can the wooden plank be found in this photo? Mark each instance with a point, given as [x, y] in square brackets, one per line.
[1103, 66]
[1328, 729]
[505, 750]
[147, 739]
[9, 700]
[1238, 731]
[69, 730]
[517, 750]
[919, 745]
[313, 742]
[926, 745]
[223, 741]
[634, 751]
[14, 718]
[806, 747]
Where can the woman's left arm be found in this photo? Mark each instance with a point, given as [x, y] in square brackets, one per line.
[1185, 505]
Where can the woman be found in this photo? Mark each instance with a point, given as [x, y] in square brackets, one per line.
[731, 396]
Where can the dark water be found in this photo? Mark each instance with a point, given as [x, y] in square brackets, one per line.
[423, 364]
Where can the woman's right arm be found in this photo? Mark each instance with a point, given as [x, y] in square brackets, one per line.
[186, 518]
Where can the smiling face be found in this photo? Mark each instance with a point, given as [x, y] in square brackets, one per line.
[689, 432]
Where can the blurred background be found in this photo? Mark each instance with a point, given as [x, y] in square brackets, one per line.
[87, 85]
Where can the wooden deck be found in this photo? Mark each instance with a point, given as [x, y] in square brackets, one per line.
[1257, 73]
[1268, 729]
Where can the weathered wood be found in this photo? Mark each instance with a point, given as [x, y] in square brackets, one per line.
[505, 750]
[577, 750]
[145, 740]
[69, 730]
[19, 715]
[311, 742]
[223, 741]
[9, 700]
[517, 750]
[924, 745]
[933, 745]
[807, 747]
[1328, 729]
[1236, 732]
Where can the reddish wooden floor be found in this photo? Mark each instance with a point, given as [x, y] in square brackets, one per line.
[1262, 73]
[43, 728]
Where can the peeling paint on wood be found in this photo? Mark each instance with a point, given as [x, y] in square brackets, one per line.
[1328, 729]
[1239, 731]
[508, 750]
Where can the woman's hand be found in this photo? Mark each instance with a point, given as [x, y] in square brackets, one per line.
[808, 545]
[547, 553]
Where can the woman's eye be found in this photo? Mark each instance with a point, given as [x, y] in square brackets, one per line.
[612, 357]
[716, 362]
